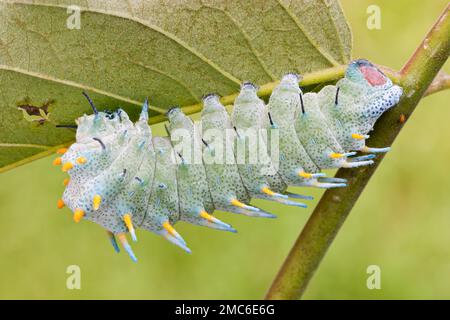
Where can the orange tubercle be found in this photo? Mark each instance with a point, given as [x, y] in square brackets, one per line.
[57, 161]
[61, 151]
[169, 228]
[305, 175]
[206, 215]
[81, 160]
[60, 204]
[67, 166]
[78, 215]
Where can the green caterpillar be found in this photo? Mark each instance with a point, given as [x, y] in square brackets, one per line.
[123, 178]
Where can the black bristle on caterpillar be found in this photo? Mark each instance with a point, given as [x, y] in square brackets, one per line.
[336, 97]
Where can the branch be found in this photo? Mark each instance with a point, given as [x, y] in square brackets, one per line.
[441, 82]
[335, 205]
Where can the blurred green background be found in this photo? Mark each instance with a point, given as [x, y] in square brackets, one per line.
[401, 222]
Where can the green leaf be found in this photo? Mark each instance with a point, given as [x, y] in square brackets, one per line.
[173, 52]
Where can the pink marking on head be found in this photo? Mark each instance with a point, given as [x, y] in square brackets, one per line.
[373, 75]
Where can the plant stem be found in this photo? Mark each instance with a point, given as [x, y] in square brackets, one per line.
[335, 205]
[441, 82]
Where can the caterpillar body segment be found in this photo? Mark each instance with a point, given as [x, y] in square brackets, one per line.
[194, 197]
[317, 138]
[256, 169]
[124, 179]
[296, 166]
[163, 204]
[225, 183]
[283, 107]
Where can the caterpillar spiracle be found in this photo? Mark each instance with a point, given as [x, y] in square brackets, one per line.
[122, 178]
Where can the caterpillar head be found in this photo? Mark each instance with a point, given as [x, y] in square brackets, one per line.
[100, 131]
[381, 93]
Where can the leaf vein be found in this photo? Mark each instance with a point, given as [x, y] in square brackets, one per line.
[78, 85]
[145, 23]
[311, 40]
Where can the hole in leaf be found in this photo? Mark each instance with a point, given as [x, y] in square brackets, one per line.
[33, 113]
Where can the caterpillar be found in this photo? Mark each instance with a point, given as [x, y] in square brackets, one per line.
[123, 178]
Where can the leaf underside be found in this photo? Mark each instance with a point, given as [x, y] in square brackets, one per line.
[170, 51]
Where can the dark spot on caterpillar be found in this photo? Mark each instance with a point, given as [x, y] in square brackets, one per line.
[34, 113]
[109, 114]
[138, 179]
